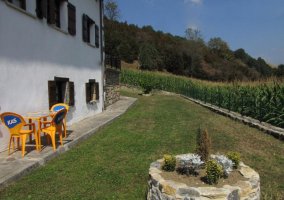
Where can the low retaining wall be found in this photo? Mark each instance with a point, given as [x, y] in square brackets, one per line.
[267, 128]
[161, 189]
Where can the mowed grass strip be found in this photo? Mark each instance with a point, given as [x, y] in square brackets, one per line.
[113, 164]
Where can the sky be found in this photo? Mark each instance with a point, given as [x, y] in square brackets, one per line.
[254, 25]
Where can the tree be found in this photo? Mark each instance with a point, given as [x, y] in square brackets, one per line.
[148, 57]
[280, 70]
[193, 34]
[220, 47]
[111, 10]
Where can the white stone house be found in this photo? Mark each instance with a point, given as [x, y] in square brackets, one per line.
[51, 52]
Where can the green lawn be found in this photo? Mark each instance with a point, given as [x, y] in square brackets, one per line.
[113, 164]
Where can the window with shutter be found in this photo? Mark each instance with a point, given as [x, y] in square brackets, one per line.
[86, 29]
[92, 91]
[97, 91]
[97, 38]
[71, 94]
[50, 11]
[88, 93]
[52, 93]
[61, 90]
[71, 19]
[19, 3]
[41, 8]
[90, 31]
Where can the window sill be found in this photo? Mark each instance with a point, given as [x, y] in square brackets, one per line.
[91, 45]
[58, 29]
[20, 9]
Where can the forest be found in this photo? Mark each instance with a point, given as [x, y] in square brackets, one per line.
[188, 56]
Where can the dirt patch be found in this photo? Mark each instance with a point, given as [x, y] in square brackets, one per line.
[200, 180]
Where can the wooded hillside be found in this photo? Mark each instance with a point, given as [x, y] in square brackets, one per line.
[190, 55]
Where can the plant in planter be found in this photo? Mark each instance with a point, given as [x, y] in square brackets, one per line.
[203, 144]
[235, 157]
[189, 164]
[226, 163]
[213, 171]
[169, 163]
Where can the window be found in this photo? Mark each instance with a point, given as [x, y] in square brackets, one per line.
[71, 19]
[90, 31]
[92, 91]
[61, 90]
[56, 12]
[19, 3]
[41, 8]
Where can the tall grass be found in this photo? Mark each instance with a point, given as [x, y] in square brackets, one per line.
[260, 100]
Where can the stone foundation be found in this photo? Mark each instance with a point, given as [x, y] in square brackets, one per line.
[112, 86]
[161, 189]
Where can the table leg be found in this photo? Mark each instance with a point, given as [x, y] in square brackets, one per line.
[38, 136]
[30, 128]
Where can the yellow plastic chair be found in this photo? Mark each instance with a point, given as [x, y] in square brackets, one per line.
[57, 107]
[15, 123]
[54, 126]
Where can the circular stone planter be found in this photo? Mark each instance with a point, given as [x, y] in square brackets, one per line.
[161, 189]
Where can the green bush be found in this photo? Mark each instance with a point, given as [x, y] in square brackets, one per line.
[203, 144]
[169, 163]
[235, 157]
[213, 172]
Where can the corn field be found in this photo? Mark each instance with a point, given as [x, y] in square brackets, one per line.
[263, 101]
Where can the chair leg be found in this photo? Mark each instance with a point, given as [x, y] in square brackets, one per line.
[60, 136]
[65, 130]
[36, 140]
[23, 138]
[11, 140]
[52, 135]
[18, 142]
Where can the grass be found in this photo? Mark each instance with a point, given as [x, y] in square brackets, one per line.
[113, 164]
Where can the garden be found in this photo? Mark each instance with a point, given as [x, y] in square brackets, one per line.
[114, 163]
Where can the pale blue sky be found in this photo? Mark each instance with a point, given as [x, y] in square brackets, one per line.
[255, 25]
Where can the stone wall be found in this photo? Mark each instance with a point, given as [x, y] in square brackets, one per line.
[161, 189]
[265, 127]
[112, 86]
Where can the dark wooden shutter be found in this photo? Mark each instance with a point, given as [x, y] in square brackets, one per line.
[71, 19]
[23, 4]
[88, 92]
[85, 28]
[39, 8]
[97, 36]
[71, 94]
[97, 90]
[50, 11]
[52, 93]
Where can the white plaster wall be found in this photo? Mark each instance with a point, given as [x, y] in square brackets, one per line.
[32, 52]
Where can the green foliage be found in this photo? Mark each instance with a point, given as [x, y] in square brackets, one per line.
[169, 163]
[148, 57]
[263, 101]
[188, 56]
[203, 144]
[213, 172]
[111, 10]
[235, 157]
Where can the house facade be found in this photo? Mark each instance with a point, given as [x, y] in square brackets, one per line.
[51, 52]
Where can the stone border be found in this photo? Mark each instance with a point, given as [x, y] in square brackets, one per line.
[265, 127]
[161, 189]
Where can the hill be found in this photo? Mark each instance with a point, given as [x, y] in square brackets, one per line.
[187, 56]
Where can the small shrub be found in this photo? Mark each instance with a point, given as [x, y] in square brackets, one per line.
[169, 163]
[235, 157]
[203, 144]
[213, 171]
[189, 164]
[226, 163]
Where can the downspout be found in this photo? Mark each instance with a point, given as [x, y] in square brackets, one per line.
[101, 4]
